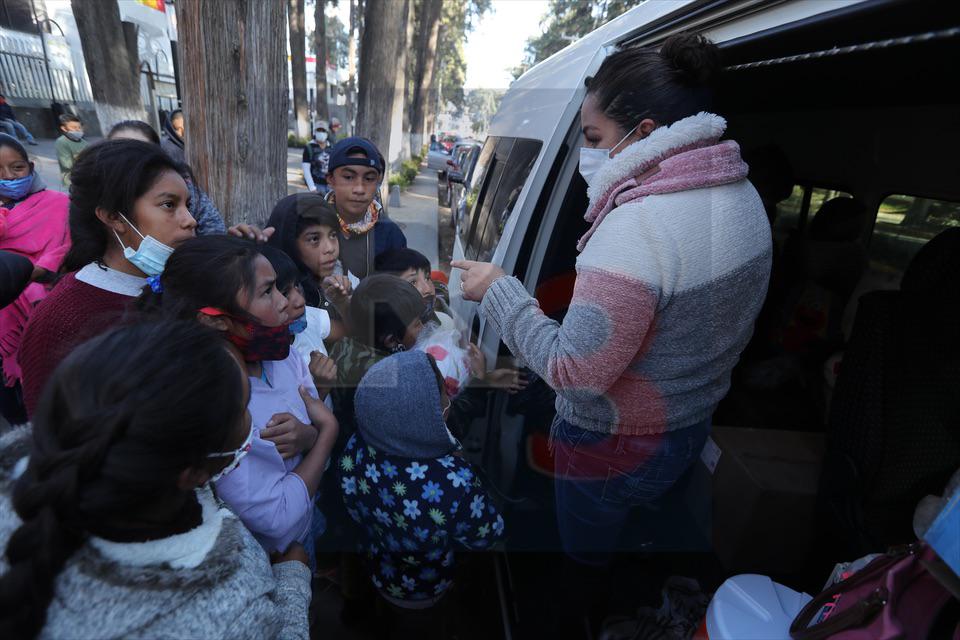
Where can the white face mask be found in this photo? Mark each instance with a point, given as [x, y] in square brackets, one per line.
[150, 257]
[321, 136]
[592, 160]
[238, 455]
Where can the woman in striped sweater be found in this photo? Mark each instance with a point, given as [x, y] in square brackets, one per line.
[670, 278]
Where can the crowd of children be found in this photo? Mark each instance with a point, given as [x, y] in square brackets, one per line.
[213, 412]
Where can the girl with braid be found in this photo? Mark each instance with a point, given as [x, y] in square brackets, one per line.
[109, 527]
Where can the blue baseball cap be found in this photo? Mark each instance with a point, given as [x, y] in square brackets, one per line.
[340, 154]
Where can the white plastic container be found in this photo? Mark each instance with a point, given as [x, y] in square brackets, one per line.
[752, 607]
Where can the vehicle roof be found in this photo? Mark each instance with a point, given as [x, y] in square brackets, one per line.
[534, 105]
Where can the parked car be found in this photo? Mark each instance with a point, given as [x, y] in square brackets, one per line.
[455, 164]
[437, 157]
[825, 83]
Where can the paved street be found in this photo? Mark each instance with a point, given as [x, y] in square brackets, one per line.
[416, 215]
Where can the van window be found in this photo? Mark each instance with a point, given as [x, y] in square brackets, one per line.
[904, 224]
[481, 209]
[478, 181]
[494, 218]
[795, 212]
[788, 211]
[819, 195]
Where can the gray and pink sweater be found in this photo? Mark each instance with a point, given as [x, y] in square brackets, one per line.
[670, 279]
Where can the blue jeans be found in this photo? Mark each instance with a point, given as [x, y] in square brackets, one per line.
[12, 128]
[318, 524]
[600, 477]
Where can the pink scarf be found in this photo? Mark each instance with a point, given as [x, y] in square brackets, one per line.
[706, 163]
[36, 229]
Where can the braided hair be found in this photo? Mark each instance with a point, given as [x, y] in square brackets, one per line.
[119, 421]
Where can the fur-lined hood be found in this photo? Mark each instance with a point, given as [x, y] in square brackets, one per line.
[684, 156]
[692, 132]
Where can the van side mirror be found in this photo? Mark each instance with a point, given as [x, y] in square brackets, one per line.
[455, 176]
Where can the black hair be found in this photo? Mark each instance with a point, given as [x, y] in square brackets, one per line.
[839, 219]
[287, 272]
[67, 118]
[139, 126]
[117, 425]
[325, 216]
[383, 306]
[291, 216]
[13, 143]
[208, 271]
[110, 175]
[399, 260]
[666, 85]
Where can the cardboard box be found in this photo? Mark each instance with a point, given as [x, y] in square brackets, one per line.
[763, 484]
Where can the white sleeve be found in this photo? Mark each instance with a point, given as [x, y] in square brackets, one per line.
[322, 319]
[307, 176]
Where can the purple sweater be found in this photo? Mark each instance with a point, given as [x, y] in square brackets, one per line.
[271, 500]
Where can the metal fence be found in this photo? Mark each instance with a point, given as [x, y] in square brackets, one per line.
[26, 76]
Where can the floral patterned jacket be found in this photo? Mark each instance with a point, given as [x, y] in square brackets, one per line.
[413, 515]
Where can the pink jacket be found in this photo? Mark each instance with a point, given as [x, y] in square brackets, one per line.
[36, 229]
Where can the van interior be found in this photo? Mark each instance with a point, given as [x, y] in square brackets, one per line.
[850, 121]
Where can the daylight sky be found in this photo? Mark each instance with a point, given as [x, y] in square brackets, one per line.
[496, 45]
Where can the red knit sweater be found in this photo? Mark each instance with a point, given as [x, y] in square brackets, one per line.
[73, 313]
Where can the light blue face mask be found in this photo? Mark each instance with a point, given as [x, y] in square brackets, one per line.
[150, 257]
[17, 188]
[299, 325]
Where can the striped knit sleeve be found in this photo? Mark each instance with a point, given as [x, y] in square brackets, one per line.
[616, 295]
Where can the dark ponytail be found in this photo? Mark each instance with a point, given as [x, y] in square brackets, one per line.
[666, 85]
[208, 271]
[110, 175]
[111, 436]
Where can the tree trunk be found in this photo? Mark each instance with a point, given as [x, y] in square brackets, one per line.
[112, 62]
[383, 33]
[402, 99]
[352, 66]
[320, 45]
[428, 38]
[298, 66]
[235, 102]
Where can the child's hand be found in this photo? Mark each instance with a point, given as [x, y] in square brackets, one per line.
[510, 380]
[478, 361]
[324, 372]
[251, 232]
[289, 435]
[337, 289]
[294, 553]
[321, 417]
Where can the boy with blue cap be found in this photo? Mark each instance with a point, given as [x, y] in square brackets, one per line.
[354, 175]
[403, 481]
